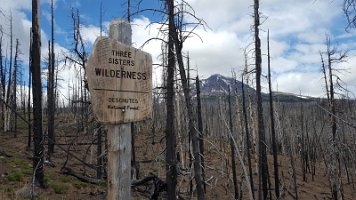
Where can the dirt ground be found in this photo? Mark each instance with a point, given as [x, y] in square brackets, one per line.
[16, 173]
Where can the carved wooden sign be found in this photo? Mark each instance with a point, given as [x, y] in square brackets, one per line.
[120, 82]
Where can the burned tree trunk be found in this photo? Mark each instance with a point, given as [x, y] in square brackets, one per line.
[273, 131]
[29, 139]
[247, 132]
[14, 85]
[191, 120]
[232, 148]
[2, 77]
[171, 166]
[8, 112]
[37, 94]
[262, 158]
[200, 128]
[50, 93]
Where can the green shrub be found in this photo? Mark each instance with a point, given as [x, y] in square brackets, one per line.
[23, 164]
[80, 184]
[59, 188]
[15, 176]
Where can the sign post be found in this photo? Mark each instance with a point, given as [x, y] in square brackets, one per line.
[120, 83]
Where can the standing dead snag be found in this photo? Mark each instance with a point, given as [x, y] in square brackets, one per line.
[247, 132]
[178, 40]
[232, 148]
[80, 57]
[200, 128]
[29, 140]
[9, 92]
[273, 131]
[14, 85]
[171, 166]
[191, 120]
[50, 87]
[37, 94]
[349, 9]
[262, 158]
[2, 76]
[333, 57]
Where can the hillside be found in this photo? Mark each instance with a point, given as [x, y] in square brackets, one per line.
[218, 85]
[16, 171]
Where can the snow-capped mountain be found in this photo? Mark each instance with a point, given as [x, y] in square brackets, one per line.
[219, 85]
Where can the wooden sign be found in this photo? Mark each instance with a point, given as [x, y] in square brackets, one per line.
[120, 82]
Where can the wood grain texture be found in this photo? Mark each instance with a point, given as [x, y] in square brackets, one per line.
[119, 162]
[120, 82]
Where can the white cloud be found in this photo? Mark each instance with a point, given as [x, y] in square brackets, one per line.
[297, 30]
[90, 33]
[219, 52]
[141, 34]
[280, 65]
[309, 84]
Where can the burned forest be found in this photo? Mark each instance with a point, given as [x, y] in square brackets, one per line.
[178, 100]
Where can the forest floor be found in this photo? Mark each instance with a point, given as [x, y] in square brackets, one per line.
[16, 172]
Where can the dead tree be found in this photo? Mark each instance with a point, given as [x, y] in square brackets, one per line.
[171, 166]
[50, 90]
[2, 76]
[29, 139]
[37, 94]
[333, 56]
[349, 8]
[178, 39]
[201, 130]
[79, 57]
[262, 157]
[14, 85]
[273, 131]
[232, 148]
[247, 132]
[8, 112]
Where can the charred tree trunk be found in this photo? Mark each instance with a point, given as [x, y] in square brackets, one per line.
[99, 156]
[14, 85]
[191, 120]
[232, 148]
[2, 78]
[37, 94]
[334, 185]
[50, 93]
[273, 131]
[247, 132]
[200, 128]
[262, 158]
[134, 165]
[8, 112]
[171, 166]
[29, 139]
[178, 44]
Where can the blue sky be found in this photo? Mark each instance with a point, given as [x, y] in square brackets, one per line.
[297, 30]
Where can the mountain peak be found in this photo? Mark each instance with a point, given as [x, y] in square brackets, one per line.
[218, 84]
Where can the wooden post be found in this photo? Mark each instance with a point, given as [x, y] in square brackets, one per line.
[119, 136]
[119, 162]
[120, 82]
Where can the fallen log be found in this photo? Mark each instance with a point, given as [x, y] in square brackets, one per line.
[5, 154]
[84, 178]
[155, 185]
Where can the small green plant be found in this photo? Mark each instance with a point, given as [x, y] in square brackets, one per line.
[80, 184]
[59, 188]
[65, 178]
[20, 163]
[15, 176]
